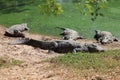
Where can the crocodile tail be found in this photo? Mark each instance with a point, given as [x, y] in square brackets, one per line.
[20, 41]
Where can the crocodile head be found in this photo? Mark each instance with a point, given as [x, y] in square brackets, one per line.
[95, 48]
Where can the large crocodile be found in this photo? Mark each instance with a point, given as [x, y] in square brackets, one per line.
[16, 30]
[60, 46]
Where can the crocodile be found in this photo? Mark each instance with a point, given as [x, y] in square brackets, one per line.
[60, 46]
[16, 30]
[69, 34]
[104, 37]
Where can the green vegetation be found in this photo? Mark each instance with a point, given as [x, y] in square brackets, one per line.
[9, 6]
[91, 7]
[70, 18]
[82, 61]
[4, 62]
[49, 7]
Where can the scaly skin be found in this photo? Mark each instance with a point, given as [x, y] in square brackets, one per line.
[104, 37]
[69, 34]
[16, 30]
[60, 46]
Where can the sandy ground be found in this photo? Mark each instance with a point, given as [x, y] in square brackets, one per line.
[33, 68]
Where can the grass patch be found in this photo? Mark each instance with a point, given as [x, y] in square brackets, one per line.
[71, 18]
[85, 61]
[5, 62]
